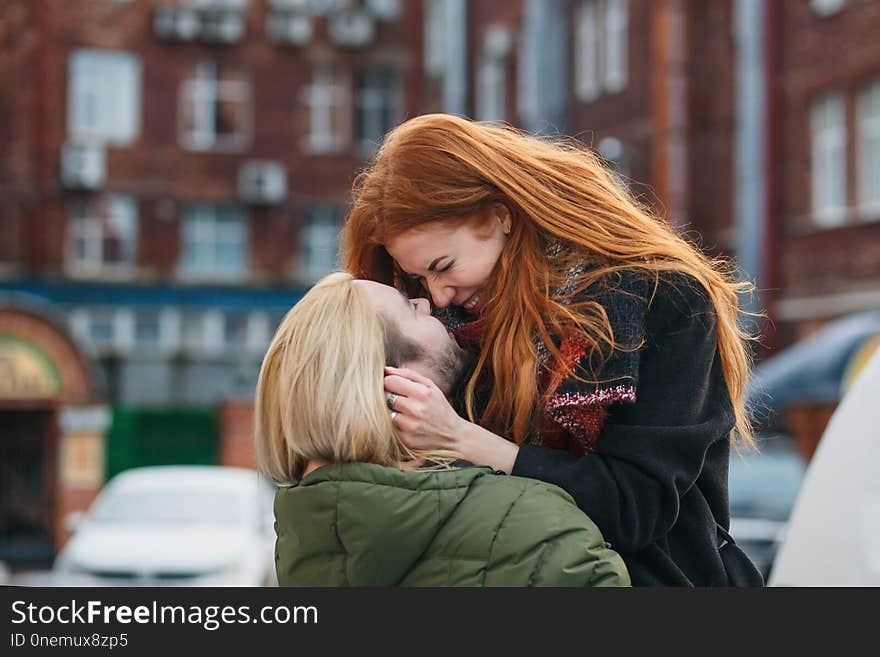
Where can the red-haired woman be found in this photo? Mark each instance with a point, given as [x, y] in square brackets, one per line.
[608, 359]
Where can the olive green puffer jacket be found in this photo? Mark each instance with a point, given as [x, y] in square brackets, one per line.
[358, 524]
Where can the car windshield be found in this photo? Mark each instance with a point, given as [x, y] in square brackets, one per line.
[766, 484]
[170, 506]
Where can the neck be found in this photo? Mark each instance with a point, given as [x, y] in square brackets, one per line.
[313, 465]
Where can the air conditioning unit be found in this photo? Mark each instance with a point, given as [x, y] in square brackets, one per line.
[176, 23]
[289, 29]
[83, 166]
[383, 10]
[326, 7]
[221, 5]
[262, 182]
[498, 41]
[352, 28]
[222, 26]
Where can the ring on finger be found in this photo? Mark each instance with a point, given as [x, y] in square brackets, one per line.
[390, 398]
[394, 414]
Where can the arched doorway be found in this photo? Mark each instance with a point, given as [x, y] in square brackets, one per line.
[52, 427]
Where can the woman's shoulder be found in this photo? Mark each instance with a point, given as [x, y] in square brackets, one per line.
[676, 297]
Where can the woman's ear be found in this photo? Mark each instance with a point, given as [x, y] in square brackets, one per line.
[502, 214]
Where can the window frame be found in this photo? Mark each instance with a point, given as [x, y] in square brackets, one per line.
[828, 159]
[203, 92]
[868, 150]
[86, 224]
[196, 231]
[100, 75]
[328, 97]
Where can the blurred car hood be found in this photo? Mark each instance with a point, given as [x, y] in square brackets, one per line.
[133, 548]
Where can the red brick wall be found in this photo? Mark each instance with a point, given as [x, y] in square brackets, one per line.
[836, 53]
[236, 421]
[712, 101]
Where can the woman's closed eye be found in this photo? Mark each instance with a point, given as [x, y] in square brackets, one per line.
[435, 273]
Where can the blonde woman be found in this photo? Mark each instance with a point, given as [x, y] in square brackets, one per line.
[608, 357]
[356, 507]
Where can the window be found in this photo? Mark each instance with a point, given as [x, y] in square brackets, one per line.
[102, 235]
[319, 243]
[587, 84]
[192, 329]
[435, 36]
[235, 330]
[246, 330]
[601, 48]
[828, 127]
[616, 44]
[104, 97]
[378, 106]
[868, 146]
[216, 108]
[101, 328]
[213, 242]
[492, 74]
[329, 101]
[385, 10]
[147, 328]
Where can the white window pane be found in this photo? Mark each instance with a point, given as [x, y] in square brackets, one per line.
[213, 241]
[828, 137]
[319, 242]
[104, 96]
[328, 99]
[103, 233]
[587, 52]
[235, 329]
[215, 108]
[192, 329]
[434, 30]
[868, 147]
[616, 44]
[102, 327]
[147, 327]
[491, 88]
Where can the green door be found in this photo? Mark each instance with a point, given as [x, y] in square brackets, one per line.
[167, 437]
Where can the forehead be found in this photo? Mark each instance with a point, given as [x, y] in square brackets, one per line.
[386, 299]
[431, 236]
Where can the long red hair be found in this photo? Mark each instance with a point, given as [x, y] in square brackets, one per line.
[440, 167]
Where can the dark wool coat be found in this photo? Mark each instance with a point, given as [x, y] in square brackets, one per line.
[645, 453]
[358, 524]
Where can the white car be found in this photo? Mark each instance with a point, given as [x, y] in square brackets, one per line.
[833, 535]
[174, 526]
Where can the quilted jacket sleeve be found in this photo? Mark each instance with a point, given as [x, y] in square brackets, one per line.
[545, 540]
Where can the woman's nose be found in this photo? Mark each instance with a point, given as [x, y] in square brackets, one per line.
[442, 295]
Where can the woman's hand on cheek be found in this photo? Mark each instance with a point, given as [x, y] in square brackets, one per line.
[424, 418]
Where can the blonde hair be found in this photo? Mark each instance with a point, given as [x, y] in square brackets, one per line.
[320, 392]
[438, 167]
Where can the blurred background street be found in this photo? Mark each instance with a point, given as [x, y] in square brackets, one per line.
[174, 174]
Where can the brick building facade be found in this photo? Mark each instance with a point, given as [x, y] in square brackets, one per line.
[174, 172]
